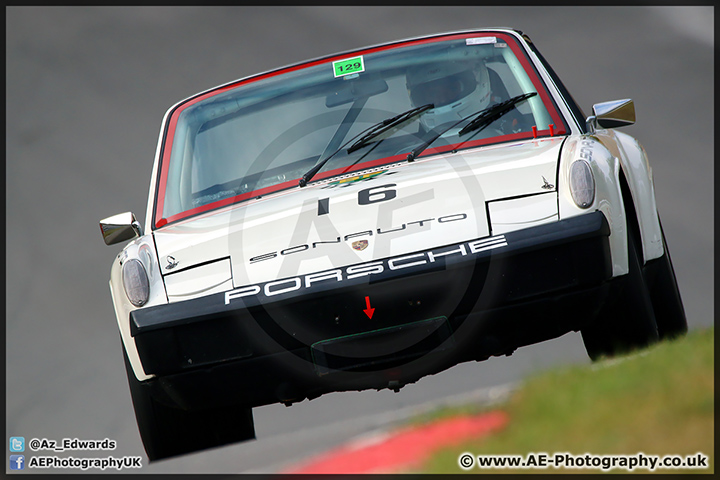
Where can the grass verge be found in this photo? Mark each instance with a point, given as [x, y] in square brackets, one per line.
[656, 402]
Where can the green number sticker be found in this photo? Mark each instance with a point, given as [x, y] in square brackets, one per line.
[348, 66]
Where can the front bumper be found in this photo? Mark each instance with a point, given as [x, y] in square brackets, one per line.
[433, 309]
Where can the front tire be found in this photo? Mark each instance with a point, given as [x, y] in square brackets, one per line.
[665, 295]
[168, 432]
[629, 322]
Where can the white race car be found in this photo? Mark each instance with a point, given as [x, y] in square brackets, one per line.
[368, 218]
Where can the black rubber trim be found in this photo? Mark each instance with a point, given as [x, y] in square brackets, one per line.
[538, 283]
[292, 375]
[522, 241]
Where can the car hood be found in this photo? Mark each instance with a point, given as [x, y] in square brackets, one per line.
[391, 210]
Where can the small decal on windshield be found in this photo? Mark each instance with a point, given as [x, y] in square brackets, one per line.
[348, 66]
[480, 40]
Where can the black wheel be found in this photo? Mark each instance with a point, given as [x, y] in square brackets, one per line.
[665, 295]
[168, 431]
[629, 322]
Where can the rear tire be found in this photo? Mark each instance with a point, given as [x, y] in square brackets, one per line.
[629, 322]
[167, 431]
[665, 295]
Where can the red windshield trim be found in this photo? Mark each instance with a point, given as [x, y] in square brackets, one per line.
[560, 127]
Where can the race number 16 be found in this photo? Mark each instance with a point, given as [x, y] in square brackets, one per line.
[378, 194]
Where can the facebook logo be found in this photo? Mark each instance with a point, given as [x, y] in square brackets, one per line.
[17, 444]
[17, 462]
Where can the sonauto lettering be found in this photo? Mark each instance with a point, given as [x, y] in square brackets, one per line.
[304, 247]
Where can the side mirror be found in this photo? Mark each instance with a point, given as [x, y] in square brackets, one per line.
[119, 228]
[614, 114]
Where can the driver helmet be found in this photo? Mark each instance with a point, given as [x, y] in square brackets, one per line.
[456, 90]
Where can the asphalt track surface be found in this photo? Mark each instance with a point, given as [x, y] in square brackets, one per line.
[86, 91]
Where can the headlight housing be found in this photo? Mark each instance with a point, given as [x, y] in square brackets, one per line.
[582, 184]
[135, 282]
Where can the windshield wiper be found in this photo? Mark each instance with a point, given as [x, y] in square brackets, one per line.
[387, 124]
[494, 112]
[482, 119]
[365, 137]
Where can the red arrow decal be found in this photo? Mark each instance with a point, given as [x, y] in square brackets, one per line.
[368, 311]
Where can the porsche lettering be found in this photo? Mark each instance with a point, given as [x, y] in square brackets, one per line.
[287, 285]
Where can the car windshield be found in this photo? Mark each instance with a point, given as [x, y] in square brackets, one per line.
[263, 134]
